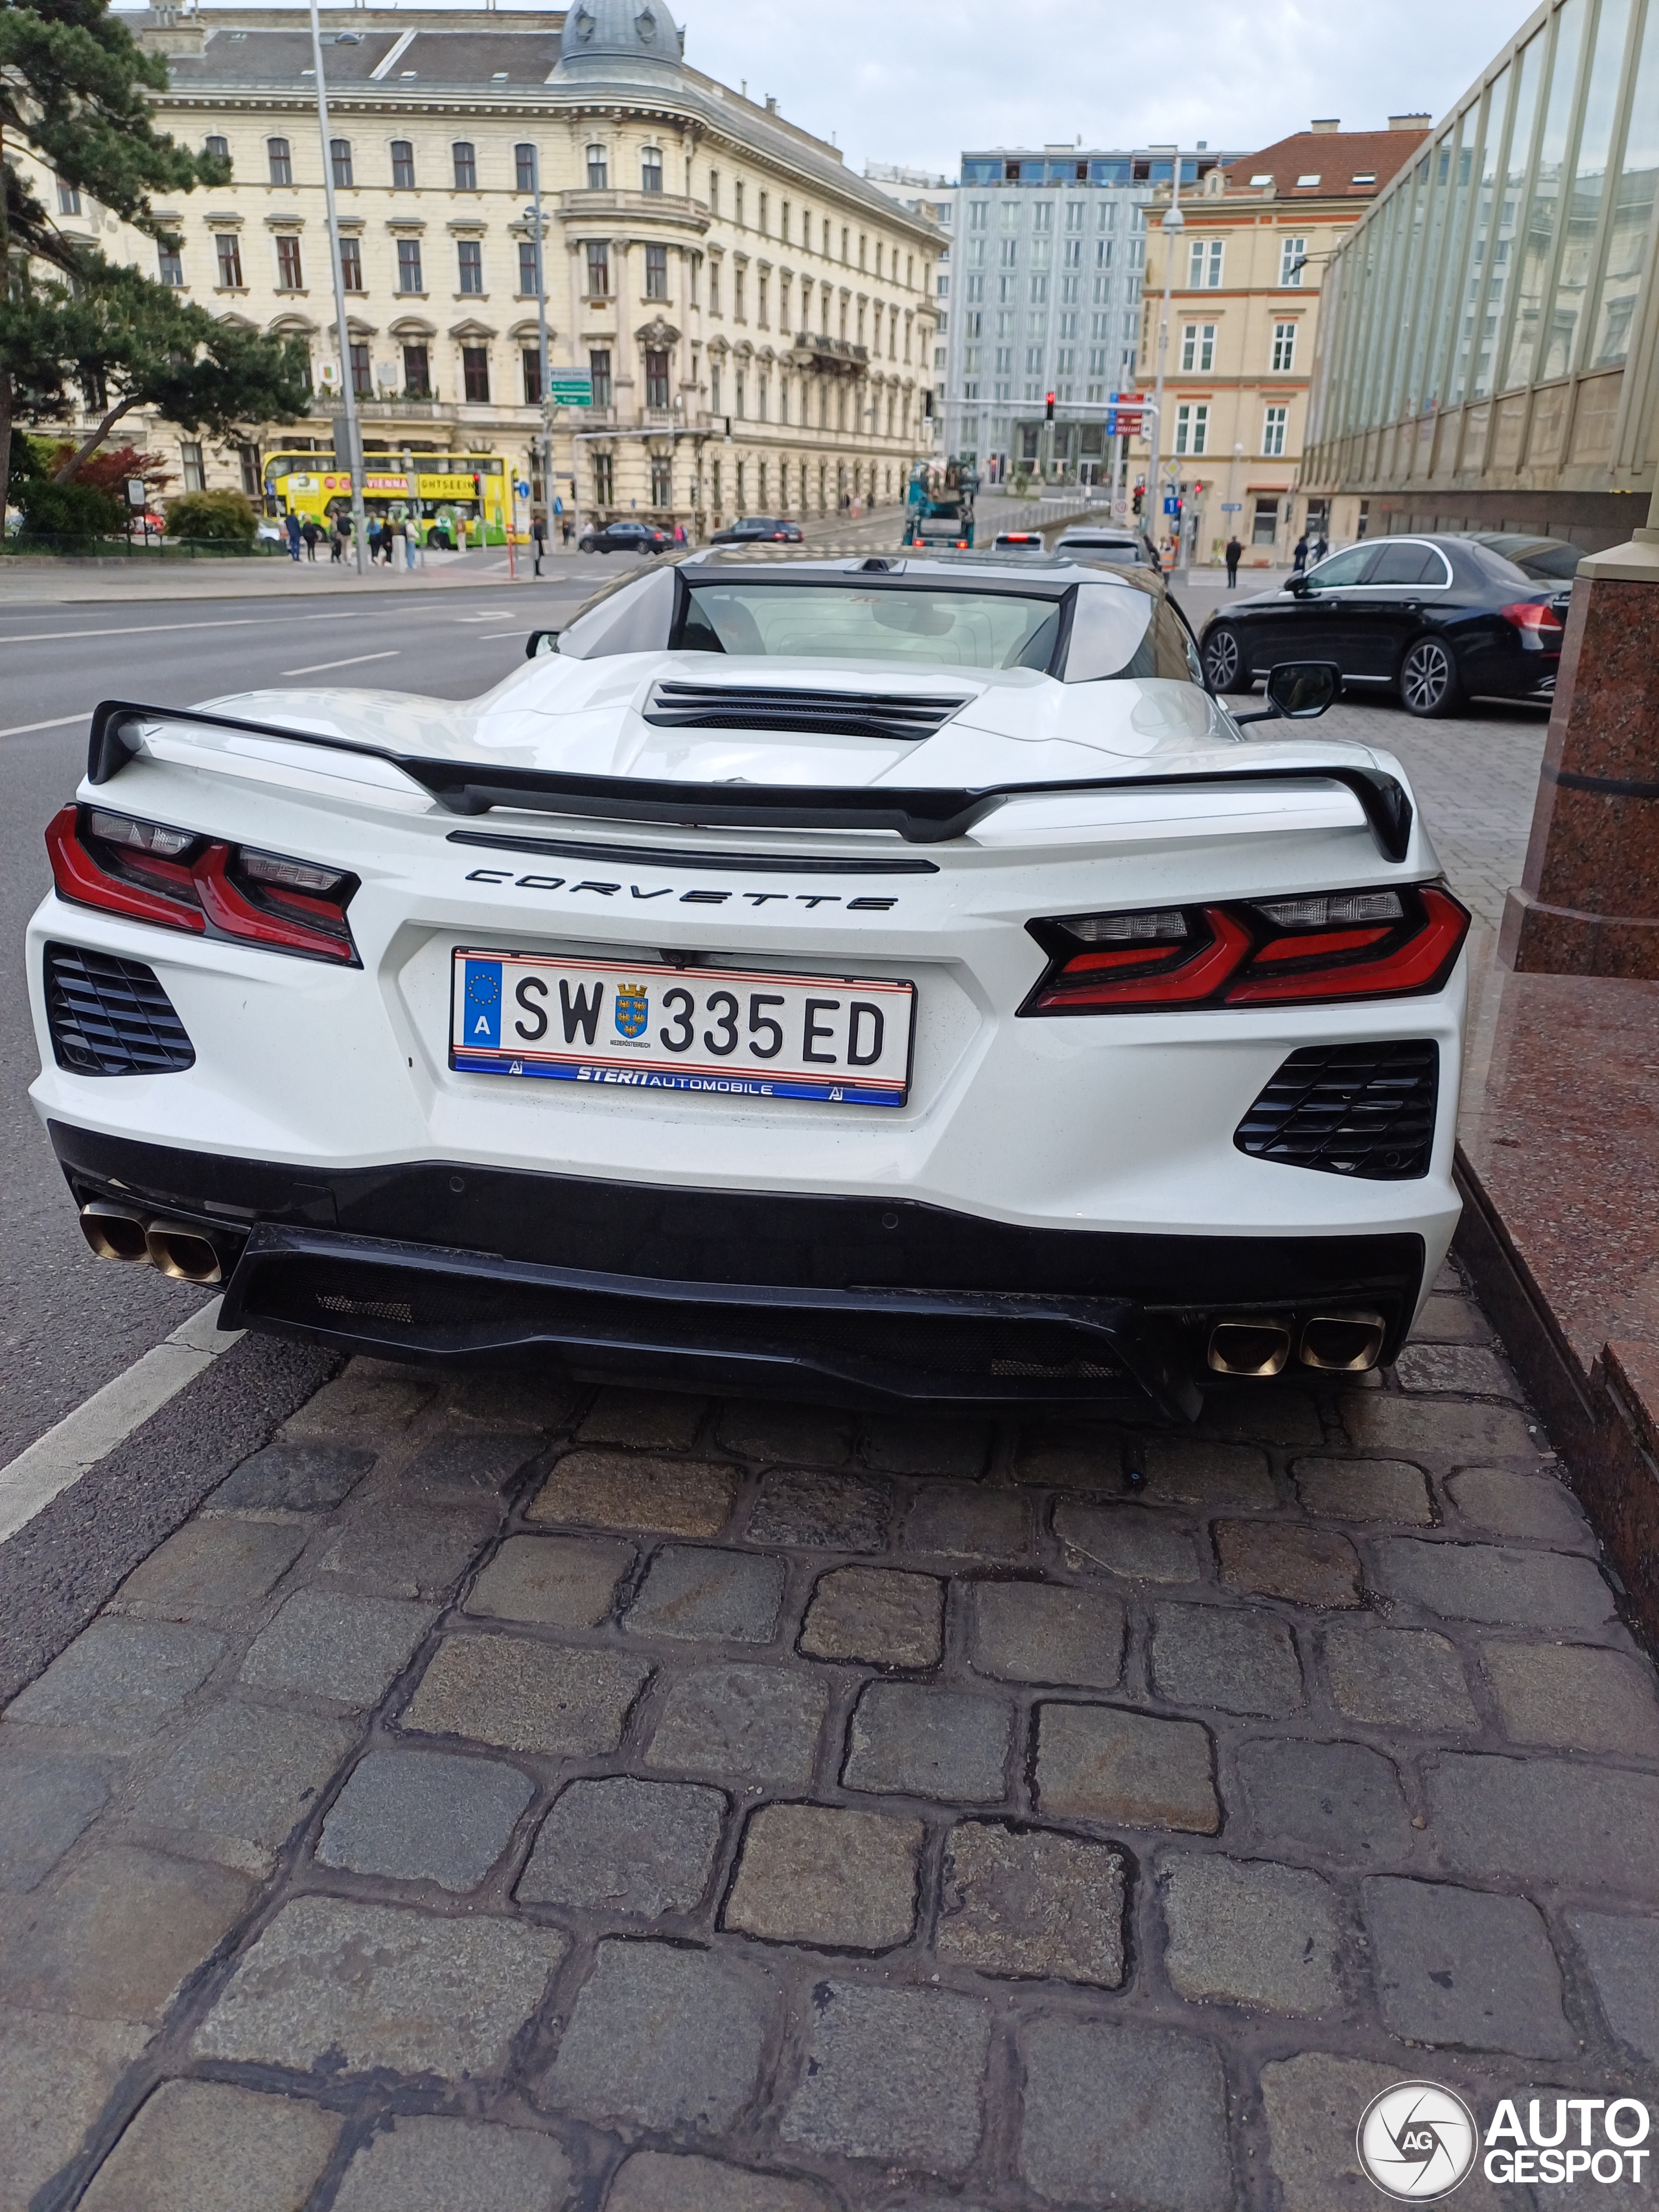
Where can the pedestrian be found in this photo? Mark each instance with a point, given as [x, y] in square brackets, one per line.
[538, 541]
[312, 535]
[1299, 558]
[294, 538]
[567, 529]
[1321, 548]
[1235, 555]
[679, 534]
[406, 531]
[336, 542]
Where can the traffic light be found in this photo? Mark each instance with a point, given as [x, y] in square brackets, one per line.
[1048, 408]
[1141, 494]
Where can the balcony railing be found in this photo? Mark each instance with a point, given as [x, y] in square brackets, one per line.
[839, 357]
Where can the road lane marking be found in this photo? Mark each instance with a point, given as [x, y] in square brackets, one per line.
[63, 721]
[57, 1460]
[485, 635]
[145, 630]
[356, 660]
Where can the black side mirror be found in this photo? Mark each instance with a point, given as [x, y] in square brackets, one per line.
[1297, 691]
[540, 641]
[1297, 587]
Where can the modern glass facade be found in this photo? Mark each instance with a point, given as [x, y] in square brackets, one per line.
[1488, 348]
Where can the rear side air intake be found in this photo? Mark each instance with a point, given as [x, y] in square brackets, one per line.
[111, 1017]
[1366, 1111]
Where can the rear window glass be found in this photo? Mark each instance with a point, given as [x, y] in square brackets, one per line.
[828, 622]
[1118, 631]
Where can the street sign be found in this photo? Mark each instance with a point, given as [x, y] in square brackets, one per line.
[521, 487]
[1232, 507]
[570, 387]
[1171, 504]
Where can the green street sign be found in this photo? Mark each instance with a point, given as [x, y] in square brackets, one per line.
[570, 387]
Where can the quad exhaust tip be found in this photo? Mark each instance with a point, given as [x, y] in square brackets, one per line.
[1258, 1346]
[179, 1251]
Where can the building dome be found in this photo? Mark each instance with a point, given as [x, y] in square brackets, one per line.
[634, 41]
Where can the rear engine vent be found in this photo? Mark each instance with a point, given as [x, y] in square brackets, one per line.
[111, 1017]
[676, 706]
[1353, 1110]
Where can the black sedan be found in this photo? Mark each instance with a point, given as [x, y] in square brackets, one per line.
[758, 530]
[626, 538]
[1436, 619]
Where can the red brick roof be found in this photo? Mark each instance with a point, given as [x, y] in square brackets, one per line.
[1335, 157]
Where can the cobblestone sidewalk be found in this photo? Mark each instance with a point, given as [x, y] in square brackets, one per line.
[490, 1802]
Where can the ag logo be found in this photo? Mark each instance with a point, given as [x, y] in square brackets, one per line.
[1417, 2142]
[633, 1009]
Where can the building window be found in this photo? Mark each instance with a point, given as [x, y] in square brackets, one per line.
[1192, 428]
[604, 488]
[352, 263]
[656, 379]
[466, 165]
[172, 265]
[403, 165]
[248, 457]
[1039, 291]
[362, 379]
[1073, 253]
[69, 198]
[524, 168]
[417, 373]
[599, 367]
[1198, 349]
[190, 459]
[739, 312]
[979, 214]
[714, 392]
[289, 276]
[1264, 523]
[599, 169]
[408, 265]
[475, 372]
[656, 272]
[470, 258]
[339, 156]
[1272, 431]
[532, 376]
[1284, 345]
[229, 247]
[530, 268]
[1293, 252]
[282, 166]
[715, 199]
[219, 148]
[650, 169]
[1204, 265]
[662, 480]
[599, 269]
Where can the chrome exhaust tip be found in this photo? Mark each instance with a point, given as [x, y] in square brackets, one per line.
[112, 1232]
[1250, 1346]
[1348, 1343]
[182, 1252]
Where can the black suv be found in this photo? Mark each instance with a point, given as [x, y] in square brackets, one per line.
[626, 538]
[758, 530]
[1436, 619]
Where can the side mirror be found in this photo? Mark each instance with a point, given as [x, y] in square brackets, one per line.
[540, 641]
[1297, 587]
[1298, 691]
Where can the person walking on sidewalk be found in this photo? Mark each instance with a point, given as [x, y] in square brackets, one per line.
[406, 531]
[312, 535]
[1235, 555]
[538, 541]
[1299, 558]
[567, 531]
[335, 542]
[292, 526]
[1321, 547]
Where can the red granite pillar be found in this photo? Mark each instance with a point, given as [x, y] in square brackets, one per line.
[1589, 904]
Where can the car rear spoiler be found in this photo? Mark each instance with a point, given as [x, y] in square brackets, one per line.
[920, 817]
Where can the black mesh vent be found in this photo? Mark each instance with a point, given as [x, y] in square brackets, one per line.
[1353, 1110]
[677, 705]
[111, 1017]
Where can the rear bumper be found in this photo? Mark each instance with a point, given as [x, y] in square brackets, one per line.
[733, 1289]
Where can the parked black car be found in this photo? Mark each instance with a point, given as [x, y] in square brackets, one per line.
[1436, 619]
[1543, 559]
[626, 538]
[758, 530]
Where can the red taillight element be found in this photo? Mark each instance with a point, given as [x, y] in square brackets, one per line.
[1540, 626]
[182, 881]
[1240, 955]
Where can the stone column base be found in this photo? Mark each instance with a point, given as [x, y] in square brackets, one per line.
[1560, 940]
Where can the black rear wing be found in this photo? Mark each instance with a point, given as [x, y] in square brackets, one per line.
[920, 817]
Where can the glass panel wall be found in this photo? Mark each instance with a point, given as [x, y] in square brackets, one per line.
[1516, 158]
[1631, 227]
[1584, 213]
[1474, 271]
[1537, 253]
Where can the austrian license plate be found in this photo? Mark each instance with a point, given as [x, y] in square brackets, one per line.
[740, 1031]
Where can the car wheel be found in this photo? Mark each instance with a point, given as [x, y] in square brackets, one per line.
[588, 545]
[1224, 668]
[1430, 684]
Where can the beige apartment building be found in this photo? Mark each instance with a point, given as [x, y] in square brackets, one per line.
[1243, 314]
[755, 320]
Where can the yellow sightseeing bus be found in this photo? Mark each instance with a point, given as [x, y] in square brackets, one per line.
[465, 498]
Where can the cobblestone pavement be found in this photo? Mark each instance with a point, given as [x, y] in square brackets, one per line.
[496, 1801]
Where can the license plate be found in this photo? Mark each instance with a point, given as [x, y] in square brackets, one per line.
[737, 1032]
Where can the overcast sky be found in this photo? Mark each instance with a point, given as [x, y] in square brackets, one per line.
[916, 81]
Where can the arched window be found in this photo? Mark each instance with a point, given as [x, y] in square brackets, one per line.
[651, 169]
[403, 165]
[281, 166]
[219, 148]
[599, 169]
[466, 165]
[524, 168]
[340, 157]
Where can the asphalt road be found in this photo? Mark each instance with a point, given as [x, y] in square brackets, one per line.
[69, 1323]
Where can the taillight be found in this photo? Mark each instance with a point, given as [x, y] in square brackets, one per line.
[1541, 629]
[184, 881]
[1332, 946]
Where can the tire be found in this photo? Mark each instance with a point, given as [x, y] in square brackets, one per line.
[1225, 668]
[589, 545]
[1430, 684]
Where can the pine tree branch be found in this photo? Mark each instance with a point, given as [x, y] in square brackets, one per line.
[84, 452]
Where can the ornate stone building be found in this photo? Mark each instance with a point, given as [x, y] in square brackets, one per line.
[757, 322]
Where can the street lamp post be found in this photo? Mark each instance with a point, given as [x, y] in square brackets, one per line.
[1172, 226]
[353, 437]
[533, 217]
